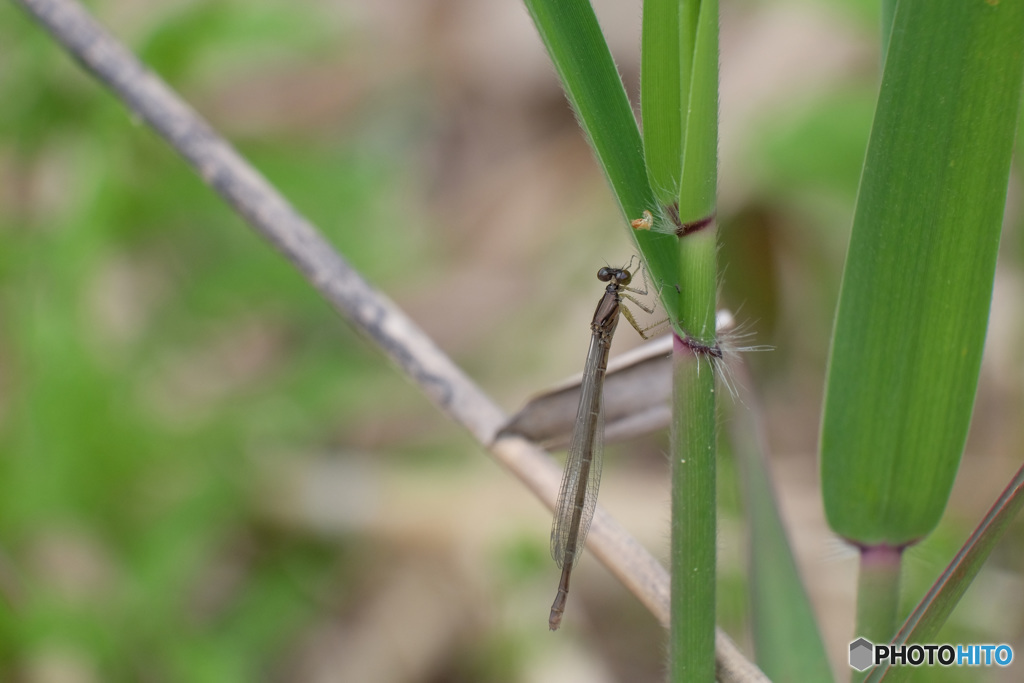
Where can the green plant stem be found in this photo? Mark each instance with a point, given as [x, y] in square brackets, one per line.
[691, 648]
[692, 637]
[697, 268]
[878, 594]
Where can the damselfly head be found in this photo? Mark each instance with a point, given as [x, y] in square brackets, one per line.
[620, 276]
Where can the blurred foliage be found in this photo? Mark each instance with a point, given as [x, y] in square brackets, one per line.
[151, 347]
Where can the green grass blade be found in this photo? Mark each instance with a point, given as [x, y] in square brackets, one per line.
[660, 98]
[689, 18]
[697, 250]
[888, 12]
[918, 279]
[580, 54]
[781, 612]
[700, 131]
[585, 66]
[931, 613]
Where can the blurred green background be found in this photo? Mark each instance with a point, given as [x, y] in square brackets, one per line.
[205, 475]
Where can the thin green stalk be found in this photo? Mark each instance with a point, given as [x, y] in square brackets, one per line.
[692, 636]
[695, 354]
[878, 595]
[697, 264]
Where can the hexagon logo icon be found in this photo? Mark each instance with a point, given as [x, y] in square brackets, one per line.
[860, 653]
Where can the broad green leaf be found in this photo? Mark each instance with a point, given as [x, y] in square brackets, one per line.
[918, 278]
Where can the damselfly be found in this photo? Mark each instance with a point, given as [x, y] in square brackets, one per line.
[577, 497]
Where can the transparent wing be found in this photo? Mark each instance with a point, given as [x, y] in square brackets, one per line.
[577, 497]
